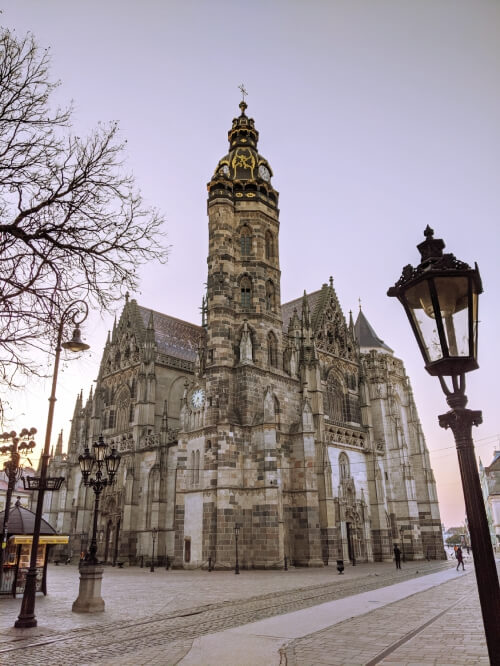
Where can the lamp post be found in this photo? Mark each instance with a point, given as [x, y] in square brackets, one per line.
[401, 531]
[440, 297]
[77, 312]
[89, 597]
[101, 458]
[13, 470]
[154, 533]
[236, 535]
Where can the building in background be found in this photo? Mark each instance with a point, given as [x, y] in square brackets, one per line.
[288, 420]
[490, 485]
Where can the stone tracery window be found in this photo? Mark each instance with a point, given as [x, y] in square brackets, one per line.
[334, 399]
[153, 493]
[269, 245]
[245, 241]
[272, 350]
[246, 292]
[344, 469]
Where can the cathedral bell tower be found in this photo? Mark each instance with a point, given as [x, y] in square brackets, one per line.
[244, 323]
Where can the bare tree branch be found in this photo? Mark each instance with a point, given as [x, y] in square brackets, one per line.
[72, 223]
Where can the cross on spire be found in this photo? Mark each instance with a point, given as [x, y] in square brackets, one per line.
[243, 91]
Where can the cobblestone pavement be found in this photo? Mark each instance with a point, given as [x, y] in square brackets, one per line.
[154, 617]
[439, 626]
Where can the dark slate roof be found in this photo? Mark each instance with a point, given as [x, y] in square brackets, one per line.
[366, 336]
[174, 337]
[288, 308]
[22, 521]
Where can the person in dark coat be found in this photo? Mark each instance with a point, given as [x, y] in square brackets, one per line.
[460, 558]
[397, 556]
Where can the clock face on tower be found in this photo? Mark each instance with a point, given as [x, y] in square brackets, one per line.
[264, 173]
[198, 398]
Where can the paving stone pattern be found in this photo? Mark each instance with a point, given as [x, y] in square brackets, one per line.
[163, 637]
[455, 637]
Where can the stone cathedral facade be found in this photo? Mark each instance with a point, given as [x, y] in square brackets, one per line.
[284, 419]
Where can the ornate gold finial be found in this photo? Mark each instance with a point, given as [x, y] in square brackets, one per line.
[359, 301]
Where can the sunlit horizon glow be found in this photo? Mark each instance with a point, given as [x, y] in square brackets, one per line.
[377, 119]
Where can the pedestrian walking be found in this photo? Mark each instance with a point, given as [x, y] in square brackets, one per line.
[397, 556]
[460, 558]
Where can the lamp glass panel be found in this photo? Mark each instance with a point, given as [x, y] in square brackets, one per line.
[419, 304]
[100, 450]
[475, 300]
[452, 292]
[86, 462]
[113, 462]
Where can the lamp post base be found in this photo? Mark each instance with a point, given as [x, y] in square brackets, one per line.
[89, 595]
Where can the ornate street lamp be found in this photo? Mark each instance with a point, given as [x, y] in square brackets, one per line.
[236, 535]
[99, 461]
[440, 297]
[102, 459]
[76, 312]
[21, 445]
[154, 534]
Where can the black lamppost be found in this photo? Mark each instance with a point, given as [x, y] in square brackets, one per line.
[401, 531]
[77, 312]
[13, 471]
[101, 458]
[154, 533]
[236, 535]
[440, 297]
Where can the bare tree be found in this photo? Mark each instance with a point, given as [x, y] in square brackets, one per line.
[72, 224]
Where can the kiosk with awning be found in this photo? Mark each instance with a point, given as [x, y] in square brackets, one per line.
[17, 556]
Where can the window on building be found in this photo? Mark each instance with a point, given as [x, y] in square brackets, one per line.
[193, 466]
[272, 350]
[246, 292]
[277, 412]
[153, 493]
[131, 413]
[269, 245]
[245, 241]
[197, 468]
[133, 389]
[344, 466]
[111, 418]
[334, 400]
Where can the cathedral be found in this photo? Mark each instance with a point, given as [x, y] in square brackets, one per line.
[282, 420]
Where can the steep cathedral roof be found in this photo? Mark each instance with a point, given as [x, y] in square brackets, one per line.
[174, 337]
[287, 309]
[366, 336]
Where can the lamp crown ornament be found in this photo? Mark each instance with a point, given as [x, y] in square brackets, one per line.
[440, 297]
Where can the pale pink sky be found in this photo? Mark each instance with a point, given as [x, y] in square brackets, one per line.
[378, 118]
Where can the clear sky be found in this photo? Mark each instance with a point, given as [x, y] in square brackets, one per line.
[377, 117]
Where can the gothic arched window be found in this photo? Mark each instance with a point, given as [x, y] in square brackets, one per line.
[153, 493]
[334, 399]
[246, 292]
[272, 350]
[197, 468]
[245, 241]
[270, 296]
[277, 412]
[269, 245]
[133, 389]
[193, 466]
[344, 466]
